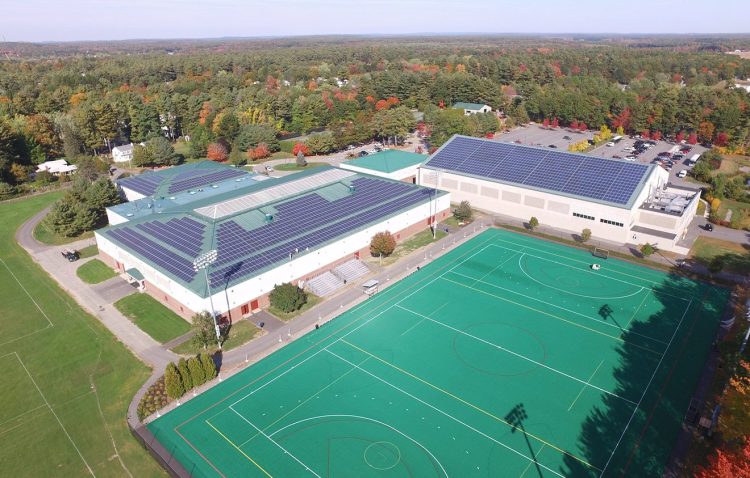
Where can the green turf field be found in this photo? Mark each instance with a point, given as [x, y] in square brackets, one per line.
[66, 382]
[507, 357]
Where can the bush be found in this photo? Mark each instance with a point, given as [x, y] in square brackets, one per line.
[585, 235]
[154, 399]
[209, 367]
[187, 380]
[205, 330]
[173, 382]
[217, 152]
[533, 223]
[463, 212]
[647, 249]
[382, 243]
[197, 374]
[715, 205]
[287, 297]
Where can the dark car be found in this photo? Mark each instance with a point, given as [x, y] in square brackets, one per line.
[363, 154]
[709, 227]
[71, 256]
[616, 156]
[552, 146]
[567, 138]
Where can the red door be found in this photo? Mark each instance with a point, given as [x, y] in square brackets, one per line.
[356, 255]
[254, 305]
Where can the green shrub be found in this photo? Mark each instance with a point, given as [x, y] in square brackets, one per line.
[585, 235]
[209, 367]
[463, 212]
[187, 380]
[533, 223]
[173, 382]
[287, 297]
[197, 374]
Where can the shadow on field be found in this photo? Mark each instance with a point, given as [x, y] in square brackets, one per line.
[646, 446]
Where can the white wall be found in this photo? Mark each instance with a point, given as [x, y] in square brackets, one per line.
[299, 267]
[131, 195]
[550, 209]
[115, 218]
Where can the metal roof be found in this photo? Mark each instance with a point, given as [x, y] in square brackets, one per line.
[388, 161]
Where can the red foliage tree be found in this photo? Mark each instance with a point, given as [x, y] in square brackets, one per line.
[217, 152]
[489, 135]
[370, 99]
[721, 139]
[381, 105]
[680, 137]
[259, 152]
[656, 135]
[693, 138]
[727, 465]
[555, 122]
[545, 123]
[301, 147]
[574, 124]
[582, 126]
[441, 104]
[645, 134]
[623, 119]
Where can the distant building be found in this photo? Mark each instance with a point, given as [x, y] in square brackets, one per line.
[121, 154]
[58, 167]
[472, 108]
[390, 164]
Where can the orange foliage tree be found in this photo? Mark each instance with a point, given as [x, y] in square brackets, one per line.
[217, 152]
[259, 152]
[728, 465]
[301, 147]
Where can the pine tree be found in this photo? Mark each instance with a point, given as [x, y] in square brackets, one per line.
[209, 367]
[187, 379]
[197, 374]
[173, 382]
[62, 218]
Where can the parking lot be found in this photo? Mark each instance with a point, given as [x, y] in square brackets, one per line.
[561, 138]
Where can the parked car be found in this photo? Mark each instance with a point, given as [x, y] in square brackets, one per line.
[616, 157]
[682, 173]
[269, 169]
[709, 227]
[568, 138]
[552, 146]
[610, 144]
[363, 153]
[71, 256]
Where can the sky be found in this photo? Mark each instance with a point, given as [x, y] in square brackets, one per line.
[70, 20]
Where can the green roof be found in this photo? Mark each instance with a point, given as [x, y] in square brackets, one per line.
[388, 161]
[468, 106]
[134, 273]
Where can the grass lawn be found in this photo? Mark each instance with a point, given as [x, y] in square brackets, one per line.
[417, 241]
[281, 155]
[706, 248]
[312, 301]
[737, 209]
[152, 317]
[240, 333]
[68, 381]
[94, 272]
[88, 251]
[293, 166]
[45, 236]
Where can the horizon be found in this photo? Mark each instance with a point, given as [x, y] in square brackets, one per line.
[47, 21]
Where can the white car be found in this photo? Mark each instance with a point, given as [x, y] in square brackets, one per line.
[610, 144]
[682, 173]
[630, 158]
[269, 169]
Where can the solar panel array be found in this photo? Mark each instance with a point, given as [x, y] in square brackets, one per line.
[306, 222]
[200, 178]
[594, 178]
[148, 183]
[266, 195]
[155, 252]
[145, 184]
[184, 234]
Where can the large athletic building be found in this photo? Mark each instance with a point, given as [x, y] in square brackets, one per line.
[265, 232]
[619, 201]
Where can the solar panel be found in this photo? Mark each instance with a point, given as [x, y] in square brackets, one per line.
[574, 174]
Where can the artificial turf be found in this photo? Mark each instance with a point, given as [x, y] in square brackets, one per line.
[508, 356]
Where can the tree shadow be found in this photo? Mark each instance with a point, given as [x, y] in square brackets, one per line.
[661, 359]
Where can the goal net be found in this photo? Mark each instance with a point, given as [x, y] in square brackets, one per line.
[601, 253]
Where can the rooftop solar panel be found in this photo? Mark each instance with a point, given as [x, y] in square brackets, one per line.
[592, 178]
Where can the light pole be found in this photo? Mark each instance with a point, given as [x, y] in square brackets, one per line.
[203, 262]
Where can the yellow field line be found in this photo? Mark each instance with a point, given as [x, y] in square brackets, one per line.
[239, 450]
[587, 383]
[530, 462]
[469, 404]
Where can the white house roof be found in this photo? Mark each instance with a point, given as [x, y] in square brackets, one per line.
[56, 166]
[126, 148]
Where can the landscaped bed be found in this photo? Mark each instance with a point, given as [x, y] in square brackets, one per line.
[240, 333]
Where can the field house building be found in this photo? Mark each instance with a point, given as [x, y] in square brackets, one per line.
[265, 231]
[619, 201]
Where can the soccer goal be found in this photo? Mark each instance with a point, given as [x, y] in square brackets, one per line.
[602, 253]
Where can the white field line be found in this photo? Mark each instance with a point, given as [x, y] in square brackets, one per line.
[584, 387]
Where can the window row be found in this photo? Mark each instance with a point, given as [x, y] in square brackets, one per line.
[583, 216]
[614, 223]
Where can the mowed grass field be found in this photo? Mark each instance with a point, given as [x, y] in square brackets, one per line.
[66, 381]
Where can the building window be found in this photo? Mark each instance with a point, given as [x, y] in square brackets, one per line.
[613, 223]
[583, 216]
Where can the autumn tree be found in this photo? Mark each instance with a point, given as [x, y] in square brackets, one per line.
[382, 243]
[725, 464]
[693, 138]
[259, 152]
[217, 152]
[706, 131]
[300, 147]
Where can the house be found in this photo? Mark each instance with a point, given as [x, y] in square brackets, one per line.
[121, 154]
[472, 108]
[58, 167]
